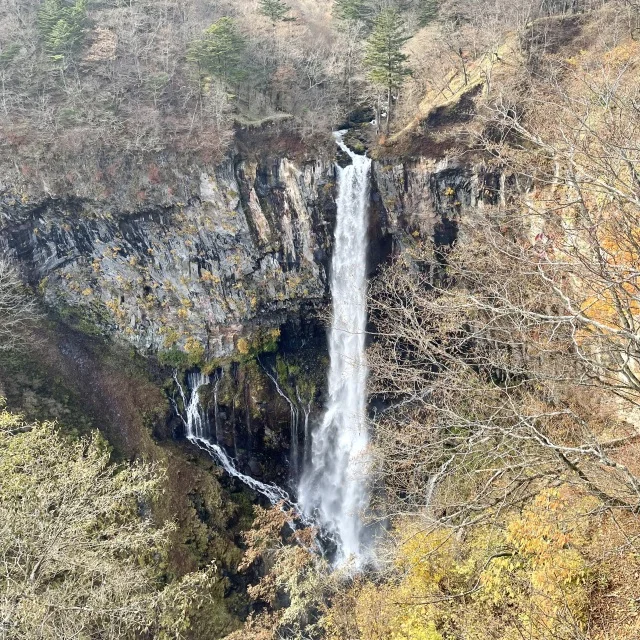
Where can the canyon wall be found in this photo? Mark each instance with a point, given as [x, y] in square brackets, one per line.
[245, 247]
[225, 268]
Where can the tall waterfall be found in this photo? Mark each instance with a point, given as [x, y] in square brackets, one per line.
[198, 430]
[333, 489]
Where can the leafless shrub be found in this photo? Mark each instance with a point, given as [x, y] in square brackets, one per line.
[515, 363]
[18, 310]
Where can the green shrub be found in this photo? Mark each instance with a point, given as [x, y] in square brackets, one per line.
[62, 27]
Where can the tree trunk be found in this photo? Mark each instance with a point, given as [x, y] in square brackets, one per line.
[464, 66]
[388, 128]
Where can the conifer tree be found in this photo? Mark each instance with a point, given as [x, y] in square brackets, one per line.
[428, 12]
[220, 52]
[384, 59]
[275, 10]
[62, 27]
[353, 10]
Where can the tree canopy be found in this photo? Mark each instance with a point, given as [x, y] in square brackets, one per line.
[384, 59]
[220, 51]
[62, 27]
[275, 10]
[352, 10]
[80, 556]
[428, 12]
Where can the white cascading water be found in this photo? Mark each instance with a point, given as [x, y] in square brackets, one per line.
[334, 488]
[295, 436]
[196, 422]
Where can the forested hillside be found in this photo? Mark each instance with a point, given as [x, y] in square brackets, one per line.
[170, 206]
[145, 76]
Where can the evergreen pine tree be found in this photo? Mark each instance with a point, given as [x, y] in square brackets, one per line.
[48, 15]
[353, 10]
[384, 59]
[62, 27]
[275, 10]
[428, 12]
[220, 52]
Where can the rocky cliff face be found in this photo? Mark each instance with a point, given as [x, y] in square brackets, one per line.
[245, 247]
[424, 197]
[214, 267]
[211, 260]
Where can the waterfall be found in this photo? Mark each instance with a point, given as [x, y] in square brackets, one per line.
[333, 489]
[198, 431]
[295, 436]
[306, 410]
[216, 411]
[196, 421]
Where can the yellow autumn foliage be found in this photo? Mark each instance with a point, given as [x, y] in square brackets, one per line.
[80, 559]
[524, 571]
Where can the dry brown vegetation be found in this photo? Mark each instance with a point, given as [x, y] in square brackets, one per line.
[506, 460]
[126, 81]
[129, 84]
[511, 367]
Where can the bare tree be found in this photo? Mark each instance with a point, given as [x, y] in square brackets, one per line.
[515, 362]
[18, 310]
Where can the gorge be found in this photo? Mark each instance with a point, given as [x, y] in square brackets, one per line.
[319, 320]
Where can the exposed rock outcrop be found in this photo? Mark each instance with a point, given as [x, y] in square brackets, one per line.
[235, 268]
[426, 198]
[246, 248]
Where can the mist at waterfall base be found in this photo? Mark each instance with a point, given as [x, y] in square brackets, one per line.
[333, 490]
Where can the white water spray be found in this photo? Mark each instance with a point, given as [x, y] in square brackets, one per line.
[334, 489]
[216, 411]
[196, 422]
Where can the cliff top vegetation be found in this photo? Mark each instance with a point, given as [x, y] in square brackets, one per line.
[147, 76]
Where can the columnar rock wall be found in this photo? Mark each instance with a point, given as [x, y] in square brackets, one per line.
[246, 248]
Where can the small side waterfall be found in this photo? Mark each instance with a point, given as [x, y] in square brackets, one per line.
[306, 411]
[333, 489]
[295, 436]
[198, 431]
[216, 410]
